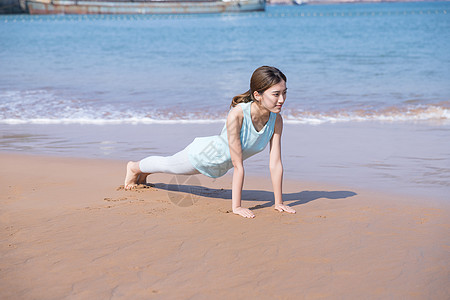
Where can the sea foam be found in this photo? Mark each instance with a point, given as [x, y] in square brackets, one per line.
[47, 107]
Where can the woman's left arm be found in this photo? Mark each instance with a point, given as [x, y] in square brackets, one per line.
[276, 166]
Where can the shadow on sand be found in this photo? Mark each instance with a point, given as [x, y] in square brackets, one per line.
[255, 195]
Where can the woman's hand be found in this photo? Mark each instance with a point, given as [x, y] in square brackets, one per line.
[282, 207]
[245, 212]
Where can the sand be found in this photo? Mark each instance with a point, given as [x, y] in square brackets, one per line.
[69, 232]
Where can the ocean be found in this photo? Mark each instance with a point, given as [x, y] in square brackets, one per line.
[119, 86]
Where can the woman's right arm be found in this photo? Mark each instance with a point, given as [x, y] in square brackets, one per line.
[234, 125]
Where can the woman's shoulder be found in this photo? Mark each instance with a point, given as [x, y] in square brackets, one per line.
[236, 112]
[279, 119]
[278, 123]
[235, 117]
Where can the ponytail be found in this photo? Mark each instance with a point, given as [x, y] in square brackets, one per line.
[242, 98]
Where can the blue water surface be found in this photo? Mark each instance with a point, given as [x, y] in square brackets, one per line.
[337, 57]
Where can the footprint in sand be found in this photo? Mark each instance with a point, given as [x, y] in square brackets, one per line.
[137, 188]
[115, 200]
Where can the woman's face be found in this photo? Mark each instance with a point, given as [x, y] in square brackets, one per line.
[273, 98]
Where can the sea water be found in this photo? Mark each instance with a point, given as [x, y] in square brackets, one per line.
[82, 85]
[385, 61]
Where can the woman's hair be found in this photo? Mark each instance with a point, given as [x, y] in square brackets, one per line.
[262, 79]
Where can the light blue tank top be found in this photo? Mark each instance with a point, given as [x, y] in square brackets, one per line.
[211, 155]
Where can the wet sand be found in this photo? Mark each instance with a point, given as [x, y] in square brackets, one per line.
[68, 231]
[400, 158]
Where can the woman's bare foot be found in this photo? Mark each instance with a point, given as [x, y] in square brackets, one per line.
[282, 207]
[245, 212]
[142, 179]
[133, 172]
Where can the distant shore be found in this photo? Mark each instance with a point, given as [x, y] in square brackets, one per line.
[312, 2]
[14, 7]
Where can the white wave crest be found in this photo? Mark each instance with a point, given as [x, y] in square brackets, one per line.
[412, 114]
[430, 114]
[49, 107]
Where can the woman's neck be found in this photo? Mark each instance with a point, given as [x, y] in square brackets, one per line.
[259, 112]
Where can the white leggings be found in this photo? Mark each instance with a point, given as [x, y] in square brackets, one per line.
[178, 164]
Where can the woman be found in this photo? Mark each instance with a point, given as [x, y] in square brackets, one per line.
[252, 123]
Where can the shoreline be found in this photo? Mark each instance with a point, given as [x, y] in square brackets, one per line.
[65, 216]
[407, 159]
[226, 181]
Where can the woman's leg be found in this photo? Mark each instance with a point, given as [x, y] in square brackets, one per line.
[142, 179]
[178, 164]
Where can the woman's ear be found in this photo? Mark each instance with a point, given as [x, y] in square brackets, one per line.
[256, 96]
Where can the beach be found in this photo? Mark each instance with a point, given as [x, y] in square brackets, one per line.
[69, 231]
[365, 150]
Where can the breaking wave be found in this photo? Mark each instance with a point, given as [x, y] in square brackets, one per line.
[417, 113]
[43, 107]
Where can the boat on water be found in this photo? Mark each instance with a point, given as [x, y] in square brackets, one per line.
[40, 7]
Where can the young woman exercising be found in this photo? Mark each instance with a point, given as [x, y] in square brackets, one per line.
[252, 123]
